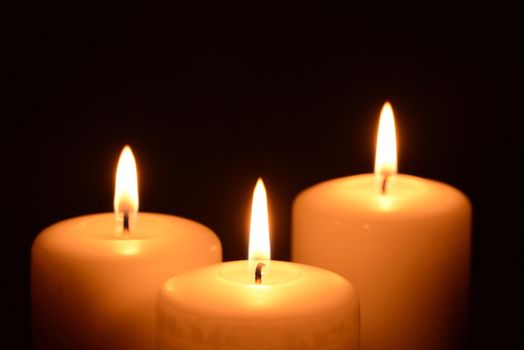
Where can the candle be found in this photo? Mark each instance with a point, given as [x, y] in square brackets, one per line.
[258, 303]
[404, 243]
[94, 278]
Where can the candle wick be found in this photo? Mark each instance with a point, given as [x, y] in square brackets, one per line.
[126, 223]
[258, 273]
[384, 183]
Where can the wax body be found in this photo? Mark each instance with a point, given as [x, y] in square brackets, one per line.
[295, 307]
[407, 252]
[93, 290]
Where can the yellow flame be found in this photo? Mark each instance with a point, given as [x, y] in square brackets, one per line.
[386, 153]
[259, 248]
[126, 184]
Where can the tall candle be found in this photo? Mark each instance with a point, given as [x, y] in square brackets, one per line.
[94, 278]
[258, 304]
[404, 243]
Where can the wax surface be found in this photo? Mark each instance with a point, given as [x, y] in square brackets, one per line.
[295, 307]
[407, 252]
[92, 289]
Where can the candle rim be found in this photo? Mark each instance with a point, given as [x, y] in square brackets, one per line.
[335, 196]
[67, 240]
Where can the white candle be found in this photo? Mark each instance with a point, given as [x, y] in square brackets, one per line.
[293, 306]
[94, 284]
[404, 243]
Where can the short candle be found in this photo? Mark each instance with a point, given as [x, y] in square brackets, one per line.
[258, 303]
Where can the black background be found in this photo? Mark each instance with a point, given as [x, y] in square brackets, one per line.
[211, 97]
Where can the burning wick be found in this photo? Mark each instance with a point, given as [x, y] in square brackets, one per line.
[258, 273]
[384, 182]
[126, 223]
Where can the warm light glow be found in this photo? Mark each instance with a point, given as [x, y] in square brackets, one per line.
[129, 247]
[126, 184]
[386, 153]
[259, 248]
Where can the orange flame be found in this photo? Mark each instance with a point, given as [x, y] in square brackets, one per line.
[259, 246]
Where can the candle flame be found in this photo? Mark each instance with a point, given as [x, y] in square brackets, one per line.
[259, 248]
[386, 152]
[126, 184]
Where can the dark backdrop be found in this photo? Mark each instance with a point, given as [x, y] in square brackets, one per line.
[211, 97]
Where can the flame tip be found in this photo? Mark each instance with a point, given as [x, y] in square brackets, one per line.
[126, 149]
[386, 108]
